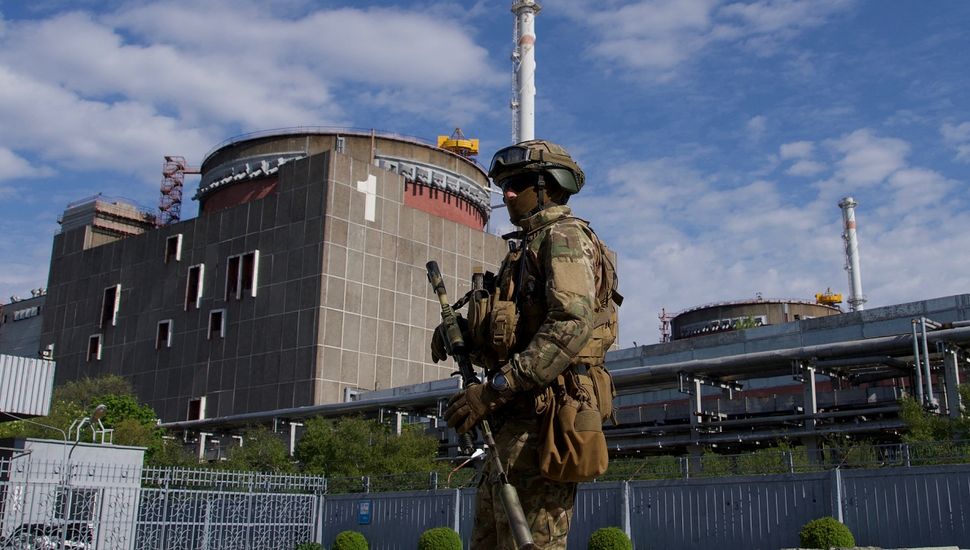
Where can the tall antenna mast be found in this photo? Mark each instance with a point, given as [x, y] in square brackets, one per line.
[856, 299]
[523, 102]
[173, 180]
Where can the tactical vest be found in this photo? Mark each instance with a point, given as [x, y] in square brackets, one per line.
[507, 311]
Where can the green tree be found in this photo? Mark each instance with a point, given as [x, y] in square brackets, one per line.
[133, 422]
[170, 452]
[922, 426]
[353, 446]
[261, 451]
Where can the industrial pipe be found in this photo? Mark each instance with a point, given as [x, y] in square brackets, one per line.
[930, 400]
[769, 363]
[918, 365]
[630, 380]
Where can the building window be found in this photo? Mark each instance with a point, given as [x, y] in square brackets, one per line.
[242, 275]
[163, 336]
[196, 410]
[94, 347]
[83, 505]
[232, 277]
[217, 324]
[193, 288]
[109, 306]
[248, 276]
[173, 248]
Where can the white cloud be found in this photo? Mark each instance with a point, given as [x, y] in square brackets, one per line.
[756, 126]
[803, 168]
[956, 133]
[13, 166]
[118, 90]
[796, 150]
[772, 16]
[655, 37]
[963, 152]
[686, 237]
[802, 152]
[88, 135]
[957, 136]
[868, 159]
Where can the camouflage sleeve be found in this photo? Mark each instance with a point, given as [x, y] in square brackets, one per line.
[568, 257]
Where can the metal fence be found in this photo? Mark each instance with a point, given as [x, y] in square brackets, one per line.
[666, 502]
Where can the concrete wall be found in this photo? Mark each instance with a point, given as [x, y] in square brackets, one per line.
[22, 336]
[342, 300]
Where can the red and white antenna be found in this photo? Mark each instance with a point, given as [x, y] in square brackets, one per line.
[524, 70]
[665, 333]
[173, 180]
[856, 298]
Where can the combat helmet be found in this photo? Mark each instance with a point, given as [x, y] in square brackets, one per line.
[538, 155]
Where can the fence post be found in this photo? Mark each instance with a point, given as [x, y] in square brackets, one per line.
[456, 520]
[791, 462]
[318, 520]
[366, 480]
[906, 456]
[625, 508]
[837, 494]
[434, 481]
[685, 466]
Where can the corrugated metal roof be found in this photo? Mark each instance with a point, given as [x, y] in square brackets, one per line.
[26, 385]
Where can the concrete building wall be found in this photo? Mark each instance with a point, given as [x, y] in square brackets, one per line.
[342, 301]
[20, 326]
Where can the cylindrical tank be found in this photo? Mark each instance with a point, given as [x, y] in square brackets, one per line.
[436, 181]
[735, 315]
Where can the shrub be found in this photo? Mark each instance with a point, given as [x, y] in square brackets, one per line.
[826, 533]
[310, 546]
[350, 540]
[439, 538]
[609, 538]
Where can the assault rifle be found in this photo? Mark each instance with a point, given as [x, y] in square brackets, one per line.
[455, 342]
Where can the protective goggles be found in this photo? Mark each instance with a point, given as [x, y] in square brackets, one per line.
[519, 182]
[513, 155]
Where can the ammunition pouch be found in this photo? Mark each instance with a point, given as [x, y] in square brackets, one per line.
[503, 320]
[605, 391]
[478, 308]
[573, 446]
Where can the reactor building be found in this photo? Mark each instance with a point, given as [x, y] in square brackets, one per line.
[739, 314]
[301, 282]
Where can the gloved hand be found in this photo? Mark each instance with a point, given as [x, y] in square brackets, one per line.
[439, 349]
[470, 405]
[439, 346]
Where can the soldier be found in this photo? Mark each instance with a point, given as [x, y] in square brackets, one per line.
[543, 319]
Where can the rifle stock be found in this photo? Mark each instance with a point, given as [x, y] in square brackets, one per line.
[455, 343]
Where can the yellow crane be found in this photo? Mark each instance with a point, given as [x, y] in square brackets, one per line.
[457, 143]
[829, 298]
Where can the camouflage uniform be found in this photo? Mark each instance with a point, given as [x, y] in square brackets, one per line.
[556, 295]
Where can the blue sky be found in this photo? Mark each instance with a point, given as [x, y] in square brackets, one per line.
[717, 137]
